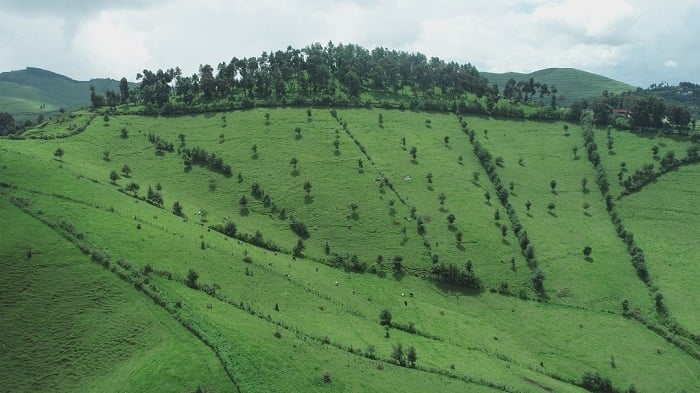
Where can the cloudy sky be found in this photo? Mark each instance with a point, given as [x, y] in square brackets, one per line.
[635, 41]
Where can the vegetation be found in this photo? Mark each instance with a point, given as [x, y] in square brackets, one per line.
[439, 267]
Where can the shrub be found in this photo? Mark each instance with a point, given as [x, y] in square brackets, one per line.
[385, 317]
[596, 383]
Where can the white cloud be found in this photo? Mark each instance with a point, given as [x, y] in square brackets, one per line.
[623, 39]
[670, 63]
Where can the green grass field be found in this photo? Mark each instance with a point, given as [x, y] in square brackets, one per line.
[328, 317]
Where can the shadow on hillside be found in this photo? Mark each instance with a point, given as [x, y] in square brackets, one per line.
[188, 169]
[336, 153]
[295, 173]
[254, 156]
[505, 242]
[553, 214]
[588, 259]
[399, 275]
[308, 199]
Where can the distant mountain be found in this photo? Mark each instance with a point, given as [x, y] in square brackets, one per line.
[572, 84]
[33, 91]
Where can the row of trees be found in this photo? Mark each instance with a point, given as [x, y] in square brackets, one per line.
[636, 253]
[527, 249]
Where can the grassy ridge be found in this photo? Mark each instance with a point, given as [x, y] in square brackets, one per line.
[572, 84]
[328, 317]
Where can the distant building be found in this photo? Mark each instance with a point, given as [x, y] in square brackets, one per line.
[622, 113]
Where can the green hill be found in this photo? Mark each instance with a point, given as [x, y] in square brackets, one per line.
[254, 250]
[572, 84]
[33, 91]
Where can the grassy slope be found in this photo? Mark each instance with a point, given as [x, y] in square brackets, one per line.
[656, 215]
[560, 237]
[22, 92]
[571, 83]
[69, 325]
[566, 340]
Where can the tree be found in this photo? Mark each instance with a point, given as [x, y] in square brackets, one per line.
[442, 197]
[254, 148]
[307, 187]
[126, 170]
[475, 176]
[177, 209]
[133, 187]
[528, 204]
[298, 250]
[7, 124]
[584, 183]
[429, 176]
[451, 218]
[551, 206]
[655, 150]
[398, 263]
[398, 354]
[113, 176]
[504, 230]
[105, 155]
[487, 195]
[385, 317]
[414, 152]
[447, 140]
[294, 163]
[336, 144]
[243, 202]
[575, 150]
[360, 165]
[124, 133]
[192, 277]
[553, 185]
[411, 356]
[111, 98]
[124, 90]
[298, 132]
[587, 251]
[95, 99]
[58, 153]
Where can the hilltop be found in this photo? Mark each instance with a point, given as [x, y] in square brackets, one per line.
[572, 84]
[33, 91]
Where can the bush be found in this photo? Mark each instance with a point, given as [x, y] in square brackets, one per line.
[385, 317]
[596, 383]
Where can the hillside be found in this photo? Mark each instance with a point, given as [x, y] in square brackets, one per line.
[572, 84]
[33, 91]
[268, 244]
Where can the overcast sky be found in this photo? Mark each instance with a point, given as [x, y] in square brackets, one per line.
[634, 41]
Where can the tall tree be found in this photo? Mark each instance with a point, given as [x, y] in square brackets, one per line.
[124, 90]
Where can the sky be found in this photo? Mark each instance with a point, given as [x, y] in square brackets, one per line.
[635, 41]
